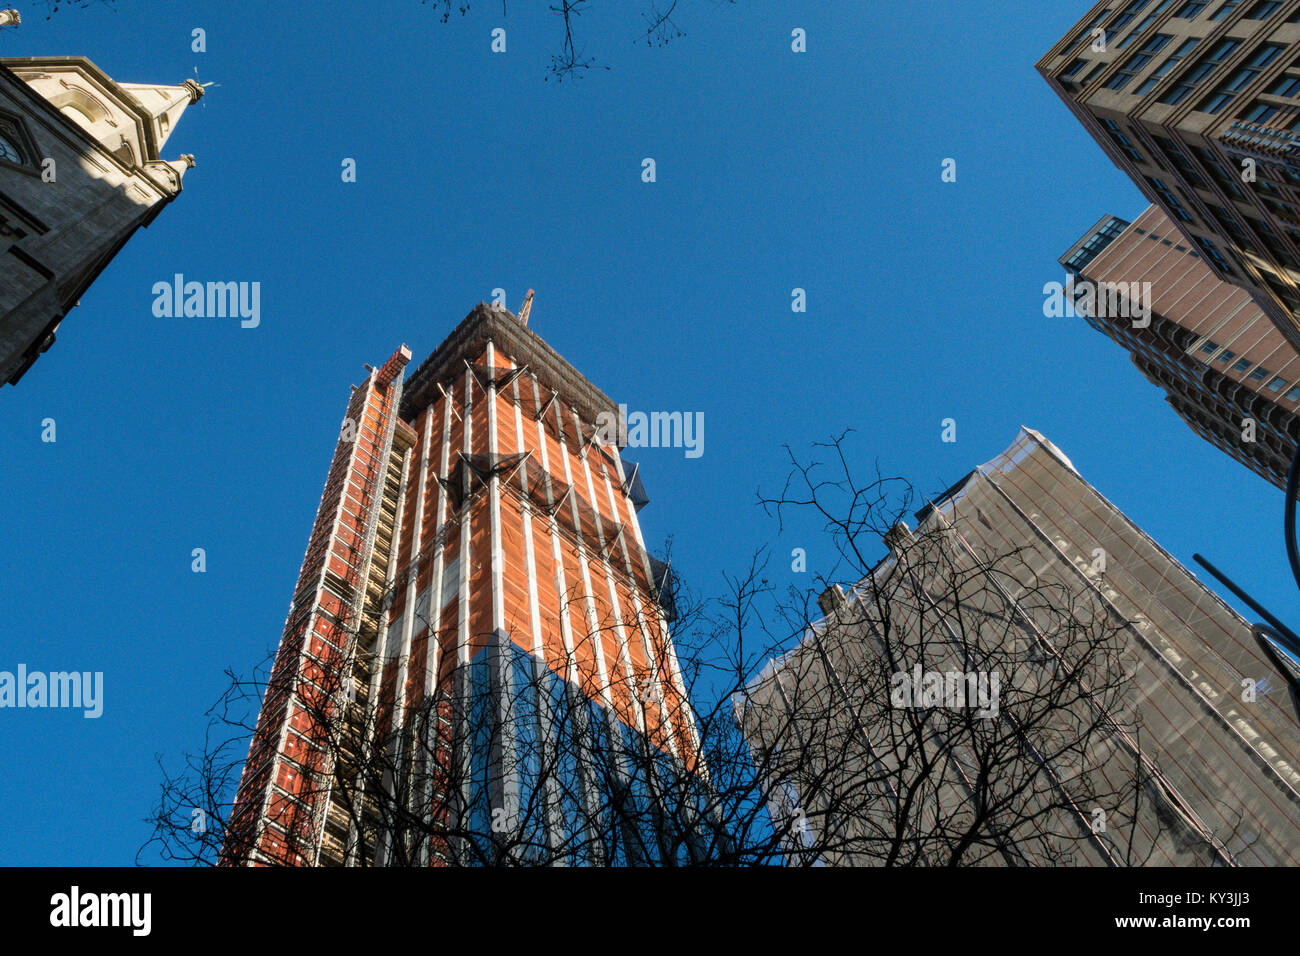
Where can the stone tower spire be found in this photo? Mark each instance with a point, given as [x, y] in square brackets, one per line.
[164, 103]
[100, 142]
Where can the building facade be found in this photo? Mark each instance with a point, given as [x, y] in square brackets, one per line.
[475, 666]
[1226, 369]
[1198, 102]
[80, 171]
[1178, 745]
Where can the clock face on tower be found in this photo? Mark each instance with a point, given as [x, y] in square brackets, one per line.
[8, 151]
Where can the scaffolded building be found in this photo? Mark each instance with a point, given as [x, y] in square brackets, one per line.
[476, 666]
[1178, 745]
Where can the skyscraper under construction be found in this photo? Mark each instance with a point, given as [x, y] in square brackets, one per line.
[476, 665]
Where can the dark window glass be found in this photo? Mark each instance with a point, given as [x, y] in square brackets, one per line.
[1243, 77]
[1265, 8]
[1163, 69]
[1138, 61]
[1199, 71]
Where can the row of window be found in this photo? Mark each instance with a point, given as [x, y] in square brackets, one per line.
[1141, 27]
[1188, 11]
[1188, 82]
[1244, 240]
[1121, 139]
[1227, 357]
[1261, 10]
[1095, 243]
[1178, 158]
[1241, 78]
[1136, 63]
[1171, 201]
[1178, 247]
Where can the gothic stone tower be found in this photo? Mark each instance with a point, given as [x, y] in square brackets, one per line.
[477, 540]
[80, 172]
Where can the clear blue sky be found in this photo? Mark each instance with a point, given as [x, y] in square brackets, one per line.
[775, 170]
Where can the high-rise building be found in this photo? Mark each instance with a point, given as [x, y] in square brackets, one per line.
[80, 171]
[1198, 102]
[1228, 372]
[1023, 566]
[476, 651]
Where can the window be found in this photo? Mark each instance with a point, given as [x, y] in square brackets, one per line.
[1149, 19]
[1209, 348]
[1242, 365]
[1180, 161]
[1265, 8]
[1243, 77]
[16, 147]
[1138, 61]
[1170, 200]
[1095, 243]
[1229, 225]
[1277, 385]
[1092, 74]
[1211, 250]
[1087, 33]
[1073, 68]
[1126, 16]
[1274, 244]
[1123, 141]
[1259, 374]
[1163, 69]
[1190, 10]
[1212, 61]
[1259, 112]
[1285, 86]
[9, 151]
[1225, 179]
[1293, 395]
[1225, 357]
[1227, 8]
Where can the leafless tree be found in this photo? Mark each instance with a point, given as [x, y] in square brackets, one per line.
[52, 7]
[791, 745]
[657, 28]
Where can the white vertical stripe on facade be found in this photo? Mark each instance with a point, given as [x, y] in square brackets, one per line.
[648, 648]
[620, 633]
[670, 652]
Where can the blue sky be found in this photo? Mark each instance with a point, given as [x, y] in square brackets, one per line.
[775, 171]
